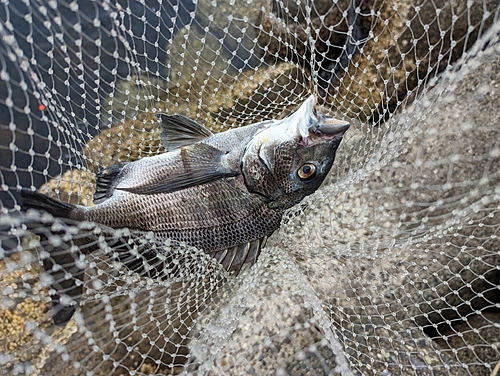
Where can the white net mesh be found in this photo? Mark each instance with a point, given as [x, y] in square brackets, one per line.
[392, 267]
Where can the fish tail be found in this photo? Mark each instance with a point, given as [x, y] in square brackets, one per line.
[41, 202]
[65, 291]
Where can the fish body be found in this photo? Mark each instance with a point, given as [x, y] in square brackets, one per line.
[203, 202]
[222, 193]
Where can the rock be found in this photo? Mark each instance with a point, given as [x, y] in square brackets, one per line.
[409, 240]
[399, 246]
[280, 321]
[74, 186]
[481, 330]
[394, 47]
[231, 99]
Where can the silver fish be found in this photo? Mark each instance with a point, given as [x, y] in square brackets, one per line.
[222, 193]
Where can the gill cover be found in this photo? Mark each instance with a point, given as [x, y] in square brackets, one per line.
[272, 159]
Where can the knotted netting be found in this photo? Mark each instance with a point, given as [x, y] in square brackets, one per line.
[392, 267]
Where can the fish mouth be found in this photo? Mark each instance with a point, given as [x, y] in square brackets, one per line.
[331, 127]
[312, 124]
[324, 126]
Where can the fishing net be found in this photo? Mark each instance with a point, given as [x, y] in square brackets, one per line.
[392, 267]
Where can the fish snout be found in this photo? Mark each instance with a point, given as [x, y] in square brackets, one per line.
[331, 127]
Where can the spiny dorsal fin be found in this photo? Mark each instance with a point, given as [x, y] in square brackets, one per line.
[178, 131]
[104, 182]
[199, 164]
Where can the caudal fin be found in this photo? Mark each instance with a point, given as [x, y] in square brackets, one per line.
[68, 276]
[41, 202]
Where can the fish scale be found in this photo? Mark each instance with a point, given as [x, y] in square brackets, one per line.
[224, 194]
[212, 204]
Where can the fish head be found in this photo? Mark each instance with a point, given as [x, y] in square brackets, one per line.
[290, 158]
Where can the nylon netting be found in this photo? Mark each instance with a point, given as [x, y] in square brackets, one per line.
[392, 267]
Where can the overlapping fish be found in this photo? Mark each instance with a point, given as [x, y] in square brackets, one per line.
[223, 193]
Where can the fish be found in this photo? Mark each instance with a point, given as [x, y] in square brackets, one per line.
[223, 193]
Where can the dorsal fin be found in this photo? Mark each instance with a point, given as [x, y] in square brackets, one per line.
[178, 131]
[104, 182]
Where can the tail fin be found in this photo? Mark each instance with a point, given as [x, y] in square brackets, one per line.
[41, 202]
[65, 291]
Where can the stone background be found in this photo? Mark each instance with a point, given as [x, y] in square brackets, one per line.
[391, 268]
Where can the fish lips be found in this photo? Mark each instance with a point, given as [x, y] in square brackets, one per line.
[331, 130]
[331, 127]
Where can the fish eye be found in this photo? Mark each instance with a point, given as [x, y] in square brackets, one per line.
[306, 171]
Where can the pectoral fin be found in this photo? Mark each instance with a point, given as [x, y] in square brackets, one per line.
[178, 131]
[198, 165]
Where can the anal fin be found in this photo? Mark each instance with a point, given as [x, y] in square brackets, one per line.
[233, 258]
[254, 251]
[240, 256]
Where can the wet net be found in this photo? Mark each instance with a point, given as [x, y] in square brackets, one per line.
[392, 267]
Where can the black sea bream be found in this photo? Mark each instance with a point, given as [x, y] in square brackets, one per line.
[222, 193]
